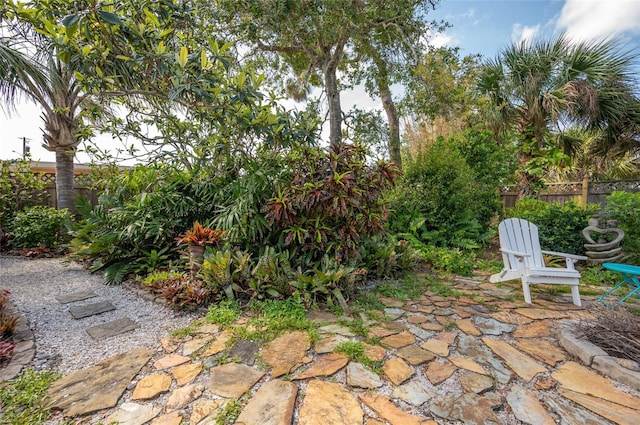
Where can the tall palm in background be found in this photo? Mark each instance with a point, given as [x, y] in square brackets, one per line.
[49, 83]
[536, 87]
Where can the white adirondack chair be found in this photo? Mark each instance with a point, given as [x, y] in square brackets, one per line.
[523, 260]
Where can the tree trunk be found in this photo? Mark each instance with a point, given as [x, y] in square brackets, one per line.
[65, 193]
[392, 114]
[329, 69]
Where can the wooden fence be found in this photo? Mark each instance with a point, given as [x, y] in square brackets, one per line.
[48, 197]
[584, 192]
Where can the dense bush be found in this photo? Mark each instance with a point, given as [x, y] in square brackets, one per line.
[142, 210]
[452, 260]
[625, 208]
[560, 225]
[333, 201]
[39, 226]
[19, 188]
[441, 200]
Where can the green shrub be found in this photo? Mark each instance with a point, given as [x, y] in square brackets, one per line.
[625, 208]
[559, 225]
[386, 257]
[451, 260]
[19, 188]
[441, 200]
[598, 276]
[142, 210]
[38, 226]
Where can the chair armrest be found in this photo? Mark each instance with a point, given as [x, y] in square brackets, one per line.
[562, 254]
[516, 253]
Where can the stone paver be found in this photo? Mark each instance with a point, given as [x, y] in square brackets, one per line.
[523, 365]
[113, 328]
[151, 386]
[325, 365]
[329, 403]
[575, 377]
[527, 407]
[232, 379]
[359, 376]
[97, 387]
[397, 370]
[272, 405]
[75, 297]
[82, 311]
[497, 362]
[287, 352]
[384, 407]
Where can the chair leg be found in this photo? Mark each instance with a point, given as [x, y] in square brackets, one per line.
[526, 290]
[575, 294]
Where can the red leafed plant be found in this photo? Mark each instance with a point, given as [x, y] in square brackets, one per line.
[6, 352]
[334, 199]
[201, 235]
[7, 325]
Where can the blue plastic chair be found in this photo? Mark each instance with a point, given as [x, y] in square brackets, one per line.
[630, 275]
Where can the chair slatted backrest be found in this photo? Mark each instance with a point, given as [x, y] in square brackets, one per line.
[520, 235]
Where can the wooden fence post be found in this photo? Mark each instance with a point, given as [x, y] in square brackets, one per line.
[584, 199]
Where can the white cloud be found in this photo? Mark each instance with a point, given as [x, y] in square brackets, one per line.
[597, 19]
[521, 33]
[441, 40]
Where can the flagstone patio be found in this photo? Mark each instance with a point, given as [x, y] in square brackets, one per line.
[475, 359]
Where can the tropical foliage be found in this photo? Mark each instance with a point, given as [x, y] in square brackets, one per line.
[541, 86]
[625, 207]
[560, 225]
[19, 188]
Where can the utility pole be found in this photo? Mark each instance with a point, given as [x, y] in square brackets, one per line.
[25, 147]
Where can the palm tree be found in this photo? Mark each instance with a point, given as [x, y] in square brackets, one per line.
[51, 84]
[539, 86]
[590, 156]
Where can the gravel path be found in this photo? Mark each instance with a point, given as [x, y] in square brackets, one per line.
[62, 342]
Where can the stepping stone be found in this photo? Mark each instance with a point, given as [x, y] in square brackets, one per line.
[113, 328]
[98, 387]
[469, 408]
[329, 403]
[286, 353]
[580, 379]
[385, 408]
[523, 365]
[527, 408]
[245, 351]
[273, 404]
[231, 380]
[81, 311]
[75, 296]
[326, 365]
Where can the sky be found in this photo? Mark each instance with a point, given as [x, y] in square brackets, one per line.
[477, 26]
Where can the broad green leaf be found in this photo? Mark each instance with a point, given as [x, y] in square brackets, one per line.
[166, 32]
[69, 20]
[110, 18]
[151, 17]
[183, 56]
[203, 59]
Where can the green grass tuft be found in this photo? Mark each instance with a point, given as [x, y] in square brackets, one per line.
[22, 402]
